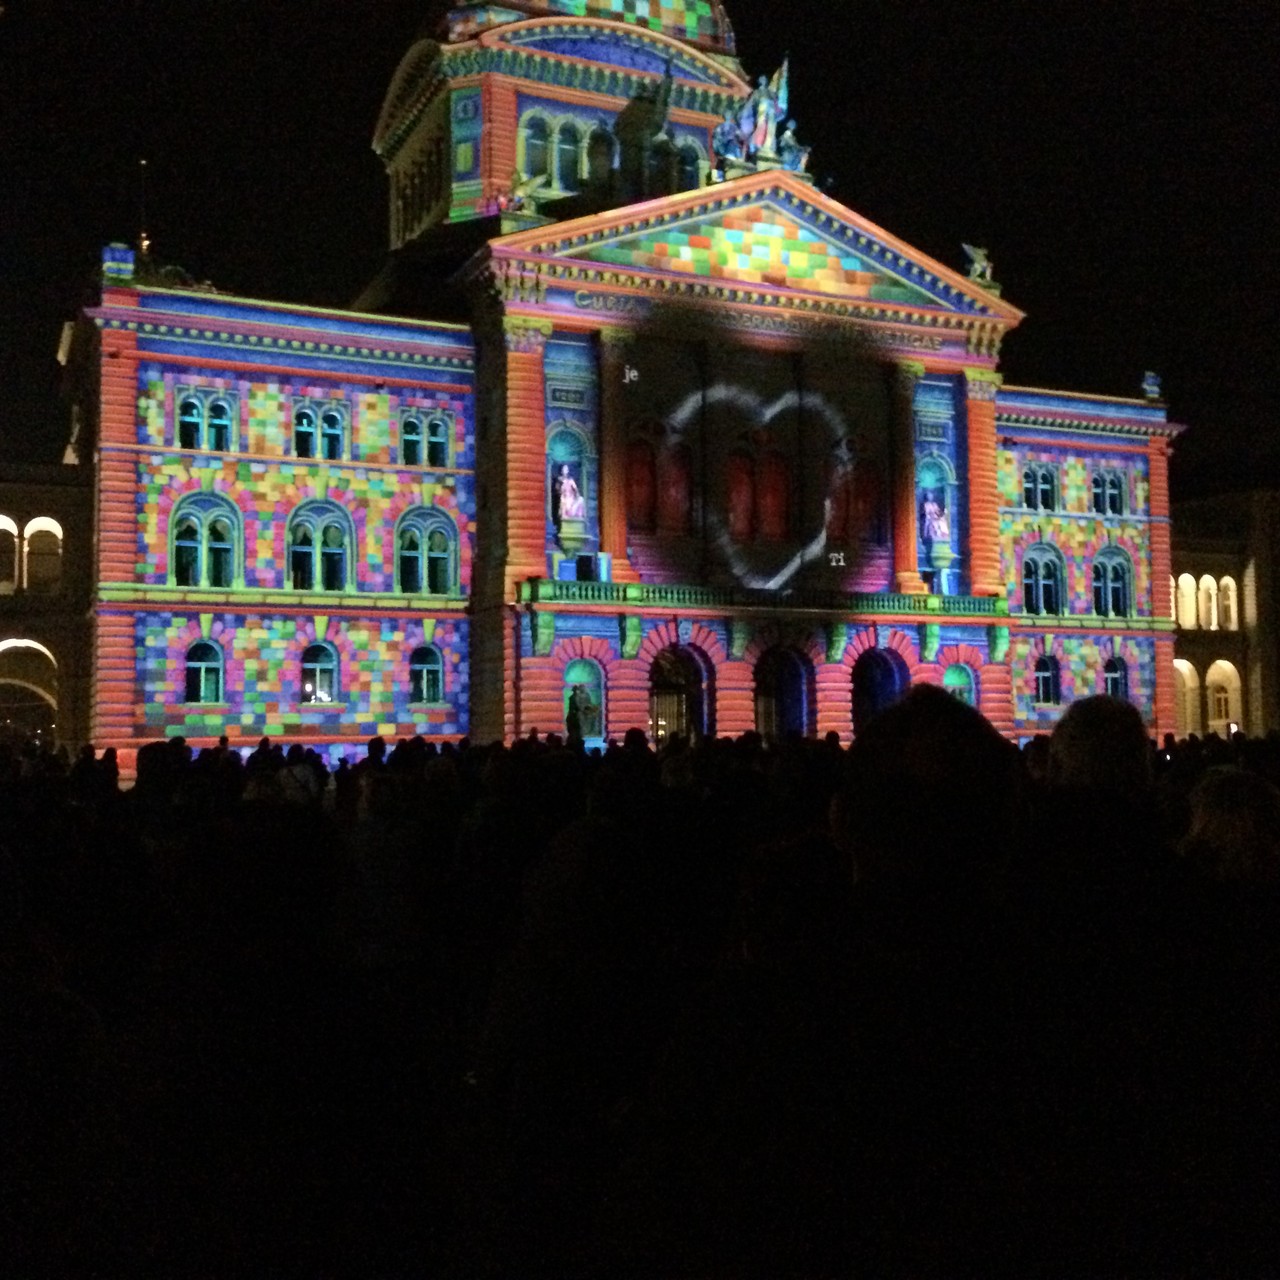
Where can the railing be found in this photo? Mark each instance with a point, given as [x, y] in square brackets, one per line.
[664, 596]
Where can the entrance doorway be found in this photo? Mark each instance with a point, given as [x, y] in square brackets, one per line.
[784, 695]
[880, 678]
[681, 697]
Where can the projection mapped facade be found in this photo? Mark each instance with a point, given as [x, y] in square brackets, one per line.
[715, 454]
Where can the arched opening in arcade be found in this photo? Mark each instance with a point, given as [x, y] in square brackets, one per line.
[28, 691]
[880, 678]
[681, 696]
[784, 695]
[1225, 699]
[1186, 693]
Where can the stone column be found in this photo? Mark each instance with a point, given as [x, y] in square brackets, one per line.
[906, 569]
[613, 454]
[985, 578]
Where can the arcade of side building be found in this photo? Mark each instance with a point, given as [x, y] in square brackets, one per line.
[631, 431]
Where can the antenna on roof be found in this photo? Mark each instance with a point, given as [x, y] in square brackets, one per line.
[144, 240]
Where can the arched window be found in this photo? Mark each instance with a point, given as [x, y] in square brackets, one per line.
[1208, 604]
[1048, 682]
[320, 542]
[437, 443]
[584, 698]
[426, 551]
[642, 490]
[219, 435]
[221, 552]
[773, 498]
[439, 563]
[304, 434]
[409, 563]
[1228, 614]
[568, 150]
[204, 672]
[958, 680]
[331, 434]
[42, 556]
[740, 497]
[1111, 577]
[302, 557]
[1187, 693]
[8, 556]
[1187, 615]
[190, 421]
[319, 674]
[690, 168]
[1226, 698]
[599, 157]
[206, 528]
[411, 442]
[1042, 580]
[333, 558]
[426, 675]
[1040, 488]
[1115, 678]
[1115, 494]
[186, 553]
[536, 155]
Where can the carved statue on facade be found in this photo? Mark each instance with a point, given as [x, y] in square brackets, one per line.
[793, 156]
[762, 112]
[980, 267]
[1152, 387]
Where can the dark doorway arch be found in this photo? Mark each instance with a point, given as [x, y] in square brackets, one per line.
[681, 695]
[880, 678]
[784, 694]
[28, 689]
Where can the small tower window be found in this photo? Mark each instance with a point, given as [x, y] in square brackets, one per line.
[568, 150]
[1048, 682]
[1115, 676]
[304, 434]
[411, 442]
[331, 435]
[219, 426]
[437, 443]
[535, 147]
[190, 419]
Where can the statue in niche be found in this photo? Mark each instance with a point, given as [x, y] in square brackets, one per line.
[793, 156]
[934, 525]
[567, 502]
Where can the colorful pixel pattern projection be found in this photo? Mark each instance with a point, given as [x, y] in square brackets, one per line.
[759, 246]
[1081, 673]
[262, 673]
[685, 19]
[374, 490]
[1074, 530]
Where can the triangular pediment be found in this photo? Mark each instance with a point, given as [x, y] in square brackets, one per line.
[769, 231]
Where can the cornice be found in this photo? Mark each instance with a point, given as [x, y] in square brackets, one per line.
[248, 341]
[1068, 424]
[560, 72]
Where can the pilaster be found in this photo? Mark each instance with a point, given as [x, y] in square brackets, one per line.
[906, 569]
[981, 387]
[526, 495]
[613, 455]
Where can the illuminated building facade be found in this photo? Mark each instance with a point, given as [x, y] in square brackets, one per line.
[721, 454]
[1226, 672]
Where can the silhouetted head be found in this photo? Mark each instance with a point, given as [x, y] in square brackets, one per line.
[1235, 827]
[1101, 745]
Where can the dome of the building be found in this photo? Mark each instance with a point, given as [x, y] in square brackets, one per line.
[701, 22]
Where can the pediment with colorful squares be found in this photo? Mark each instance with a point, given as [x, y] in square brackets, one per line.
[770, 235]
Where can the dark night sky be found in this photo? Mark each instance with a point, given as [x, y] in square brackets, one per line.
[1115, 158]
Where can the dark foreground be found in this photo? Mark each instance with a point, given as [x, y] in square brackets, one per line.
[924, 1008]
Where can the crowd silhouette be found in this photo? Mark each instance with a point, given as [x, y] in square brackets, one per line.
[929, 1006]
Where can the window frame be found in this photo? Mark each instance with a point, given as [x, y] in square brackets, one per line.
[316, 519]
[420, 661]
[1048, 679]
[216, 665]
[1035, 559]
[1039, 478]
[332, 664]
[205, 509]
[1115, 678]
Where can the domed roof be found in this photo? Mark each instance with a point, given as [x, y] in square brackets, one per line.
[701, 22]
